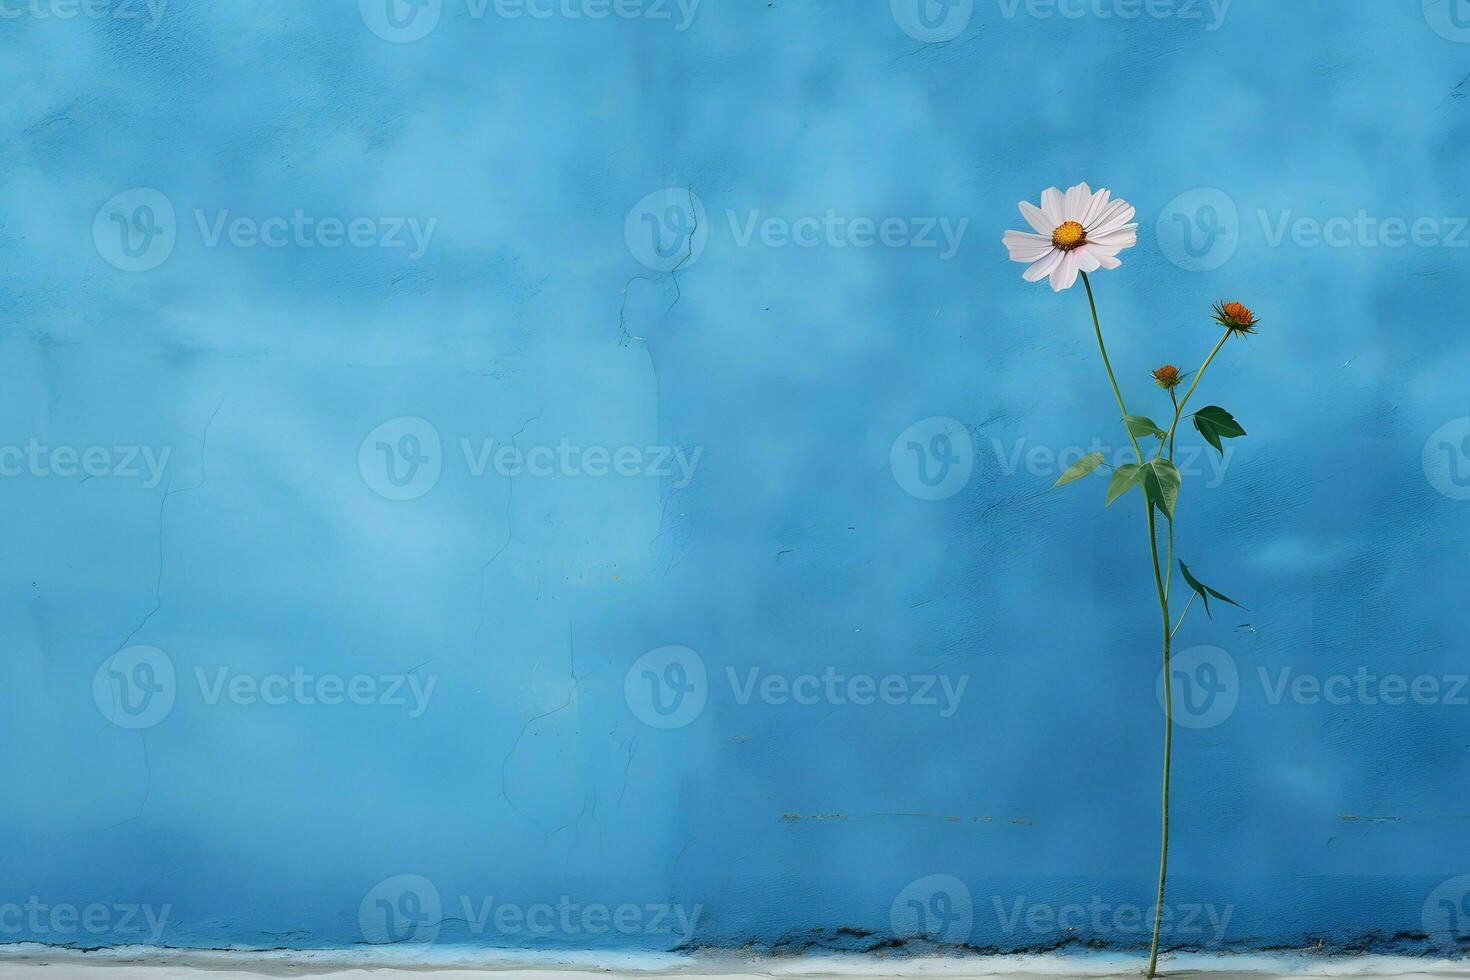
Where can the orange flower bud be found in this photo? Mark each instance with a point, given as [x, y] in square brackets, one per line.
[1167, 377]
[1236, 317]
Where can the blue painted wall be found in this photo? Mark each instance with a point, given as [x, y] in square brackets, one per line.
[264, 690]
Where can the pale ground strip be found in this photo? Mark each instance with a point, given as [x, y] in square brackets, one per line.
[30, 962]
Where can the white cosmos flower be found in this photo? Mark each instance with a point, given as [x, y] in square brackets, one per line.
[1078, 232]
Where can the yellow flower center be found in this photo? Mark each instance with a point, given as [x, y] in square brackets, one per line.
[1069, 236]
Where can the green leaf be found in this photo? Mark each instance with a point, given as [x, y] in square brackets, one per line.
[1141, 426]
[1204, 591]
[1214, 423]
[1124, 479]
[1161, 482]
[1083, 467]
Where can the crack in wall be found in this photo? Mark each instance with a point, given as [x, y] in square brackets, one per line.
[510, 489]
[572, 696]
[158, 599]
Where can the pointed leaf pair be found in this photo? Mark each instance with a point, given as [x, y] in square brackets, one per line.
[1159, 479]
[1204, 591]
[1214, 423]
[1161, 482]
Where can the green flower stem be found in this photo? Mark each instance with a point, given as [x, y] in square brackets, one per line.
[1173, 397]
[1153, 956]
[1178, 413]
[1192, 597]
[1108, 365]
[1198, 376]
[1153, 551]
[1169, 565]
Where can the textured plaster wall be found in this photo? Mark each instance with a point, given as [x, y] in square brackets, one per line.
[171, 634]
